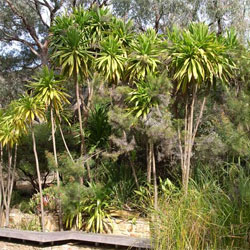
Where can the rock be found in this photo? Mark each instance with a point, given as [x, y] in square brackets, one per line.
[134, 227]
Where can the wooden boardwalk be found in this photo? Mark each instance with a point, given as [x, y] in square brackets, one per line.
[81, 237]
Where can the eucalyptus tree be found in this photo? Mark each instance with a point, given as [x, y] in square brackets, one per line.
[157, 14]
[49, 91]
[198, 60]
[26, 23]
[224, 14]
[28, 109]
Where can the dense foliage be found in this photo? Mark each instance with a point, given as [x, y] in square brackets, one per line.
[154, 122]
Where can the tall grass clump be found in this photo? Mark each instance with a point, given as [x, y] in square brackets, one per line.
[214, 214]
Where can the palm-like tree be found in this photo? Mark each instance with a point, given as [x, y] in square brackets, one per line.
[111, 59]
[144, 57]
[72, 54]
[99, 24]
[123, 31]
[141, 101]
[27, 109]
[10, 133]
[49, 91]
[197, 59]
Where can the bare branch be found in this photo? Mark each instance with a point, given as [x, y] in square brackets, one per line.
[15, 38]
[47, 5]
[40, 15]
[54, 10]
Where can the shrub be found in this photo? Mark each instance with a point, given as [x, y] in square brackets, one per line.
[49, 200]
[86, 207]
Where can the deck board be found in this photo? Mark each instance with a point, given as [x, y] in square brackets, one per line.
[49, 237]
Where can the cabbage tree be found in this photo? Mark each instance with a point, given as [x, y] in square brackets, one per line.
[111, 59]
[10, 132]
[28, 109]
[198, 60]
[49, 91]
[71, 54]
[143, 58]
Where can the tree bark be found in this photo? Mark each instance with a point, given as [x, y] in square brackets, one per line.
[88, 170]
[8, 184]
[57, 172]
[12, 178]
[44, 53]
[149, 163]
[64, 142]
[3, 190]
[79, 115]
[82, 150]
[38, 177]
[154, 176]
[39, 47]
[189, 137]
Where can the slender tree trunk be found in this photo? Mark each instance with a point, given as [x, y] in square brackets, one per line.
[1, 207]
[8, 188]
[188, 147]
[12, 179]
[79, 116]
[88, 170]
[80, 120]
[154, 176]
[3, 190]
[85, 119]
[189, 137]
[149, 163]
[134, 173]
[38, 177]
[64, 142]
[57, 172]
[189, 140]
[44, 54]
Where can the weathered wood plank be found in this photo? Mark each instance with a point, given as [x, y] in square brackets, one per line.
[49, 237]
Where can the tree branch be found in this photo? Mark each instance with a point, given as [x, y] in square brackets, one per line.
[55, 9]
[15, 38]
[199, 119]
[104, 3]
[40, 15]
[29, 28]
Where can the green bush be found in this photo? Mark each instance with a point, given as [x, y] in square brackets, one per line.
[20, 199]
[72, 204]
[86, 207]
[49, 196]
